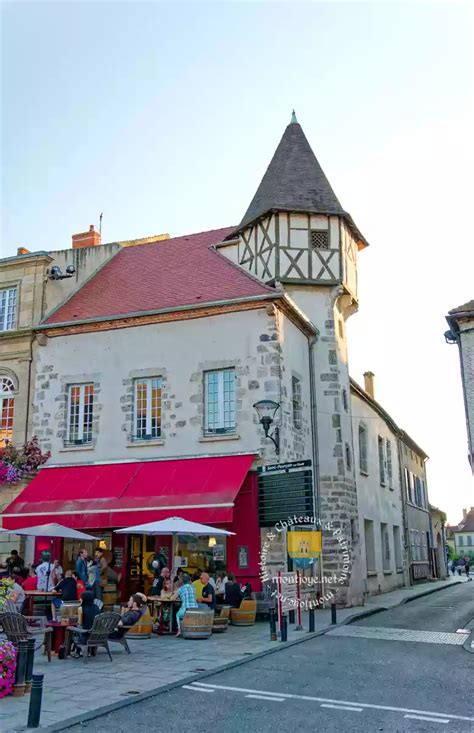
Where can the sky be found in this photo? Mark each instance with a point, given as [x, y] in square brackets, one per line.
[164, 116]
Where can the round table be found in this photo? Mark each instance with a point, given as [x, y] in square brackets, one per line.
[59, 634]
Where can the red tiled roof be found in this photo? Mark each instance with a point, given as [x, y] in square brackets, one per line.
[166, 274]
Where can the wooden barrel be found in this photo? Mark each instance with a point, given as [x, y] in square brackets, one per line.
[197, 623]
[142, 629]
[245, 614]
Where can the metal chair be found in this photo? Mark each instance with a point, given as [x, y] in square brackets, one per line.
[17, 628]
[104, 624]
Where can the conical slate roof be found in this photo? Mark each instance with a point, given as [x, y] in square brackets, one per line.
[294, 181]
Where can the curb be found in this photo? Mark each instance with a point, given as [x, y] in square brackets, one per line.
[119, 704]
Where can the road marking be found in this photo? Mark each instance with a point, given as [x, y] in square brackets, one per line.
[267, 697]
[370, 706]
[340, 707]
[424, 717]
[196, 689]
[392, 634]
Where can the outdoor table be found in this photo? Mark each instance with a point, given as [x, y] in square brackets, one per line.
[59, 634]
[159, 605]
[31, 595]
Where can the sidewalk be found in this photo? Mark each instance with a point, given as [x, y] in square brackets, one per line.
[74, 690]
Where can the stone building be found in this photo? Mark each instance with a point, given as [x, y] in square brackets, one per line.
[146, 378]
[461, 332]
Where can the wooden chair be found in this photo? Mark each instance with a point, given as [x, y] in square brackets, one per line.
[245, 614]
[197, 623]
[17, 628]
[104, 624]
[221, 620]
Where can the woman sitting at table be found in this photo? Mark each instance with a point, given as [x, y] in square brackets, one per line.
[87, 612]
[233, 594]
[31, 582]
[222, 579]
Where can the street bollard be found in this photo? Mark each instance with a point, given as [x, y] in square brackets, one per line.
[311, 620]
[34, 711]
[273, 629]
[19, 686]
[284, 627]
[333, 614]
[291, 616]
[30, 658]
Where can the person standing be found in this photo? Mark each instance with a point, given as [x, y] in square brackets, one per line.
[58, 573]
[44, 573]
[453, 567]
[101, 573]
[81, 566]
[187, 597]
[467, 566]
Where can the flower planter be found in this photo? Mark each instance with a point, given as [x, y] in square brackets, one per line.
[7, 668]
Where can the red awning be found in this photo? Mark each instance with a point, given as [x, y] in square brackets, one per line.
[122, 494]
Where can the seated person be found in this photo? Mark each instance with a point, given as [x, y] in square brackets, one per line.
[87, 612]
[208, 593]
[233, 594]
[135, 608]
[178, 579]
[222, 579]
[17, 594]
[187, 597]
[68, 589]
[197, 584]
[158, 583]
[80, 585]
[31, 582]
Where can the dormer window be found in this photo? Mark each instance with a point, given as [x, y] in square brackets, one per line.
[319, 239]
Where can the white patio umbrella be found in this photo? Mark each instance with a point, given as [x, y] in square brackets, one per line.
[174, 526]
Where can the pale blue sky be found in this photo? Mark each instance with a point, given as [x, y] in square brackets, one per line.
[164, 117]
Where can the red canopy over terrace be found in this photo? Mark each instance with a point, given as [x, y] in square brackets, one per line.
[121, 494]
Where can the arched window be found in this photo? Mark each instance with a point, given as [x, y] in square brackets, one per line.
[7, 390]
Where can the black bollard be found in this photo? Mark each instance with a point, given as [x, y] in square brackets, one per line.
[273, 628]
[311, 620]
[30, 658]
[333, 614]
[284, 627]
[34, 711]
[291, 616]
[19, 687]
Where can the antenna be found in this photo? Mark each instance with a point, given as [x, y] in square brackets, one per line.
[100, 226]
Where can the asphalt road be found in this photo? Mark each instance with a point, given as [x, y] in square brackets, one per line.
[334, 682]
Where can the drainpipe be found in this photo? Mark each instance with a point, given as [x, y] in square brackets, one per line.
[314, 427]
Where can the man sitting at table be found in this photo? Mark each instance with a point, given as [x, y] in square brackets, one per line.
[187, 597]
[136, 607]
[208, 593]
[68, 589]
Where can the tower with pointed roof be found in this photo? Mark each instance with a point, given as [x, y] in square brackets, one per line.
[295, 234]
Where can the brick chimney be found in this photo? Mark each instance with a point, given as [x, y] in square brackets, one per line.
[86, 239]
[369, 383]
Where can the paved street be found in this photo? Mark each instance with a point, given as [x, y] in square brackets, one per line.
[337, 682]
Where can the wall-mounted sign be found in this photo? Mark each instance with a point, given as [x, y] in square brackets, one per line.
[285, 489]
[218, 553]
[243, 557]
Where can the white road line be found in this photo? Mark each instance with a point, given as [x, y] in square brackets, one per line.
[196, 689]
[267, 697]
[423, 717]
[340, 707]
[290, 696]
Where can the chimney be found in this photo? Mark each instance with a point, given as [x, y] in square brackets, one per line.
[22, 251]
[369, 383]
[464, 513]
[86, 239]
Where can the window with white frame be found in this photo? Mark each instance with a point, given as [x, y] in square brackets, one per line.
[147, 408]
[385, 544]
[407, 484]
[397, 547]
[381, 461]
[219, 389]
[80, 412]
[363, 449]
[8, 303]
[7, 390]
[297, 402]
[388, 448]
[369, 540]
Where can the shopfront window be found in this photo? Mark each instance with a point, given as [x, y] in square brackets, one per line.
[201, 553]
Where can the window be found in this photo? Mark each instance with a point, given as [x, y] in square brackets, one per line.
[319, 239]
[7, 309]
[219, 402]
[348, 457]
[363, 449]
[297, 403]
[369, 544]
[344, 400]
[460, 541]
[469, 540]
[381, 461]
[385, 544]
[388, 448]
[7, 388]
[397, 548]
[424, 497]
[147, 417]
[81, 402]
[407, 483]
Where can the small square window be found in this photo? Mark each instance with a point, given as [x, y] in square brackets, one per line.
[319, 239]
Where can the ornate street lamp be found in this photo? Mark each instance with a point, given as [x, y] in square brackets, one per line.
[266, 410]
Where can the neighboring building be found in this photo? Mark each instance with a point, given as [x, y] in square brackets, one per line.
[461, 325]
[450, 538]
[147, 376]
[464, 534]
[379, 490]
[439, 542]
